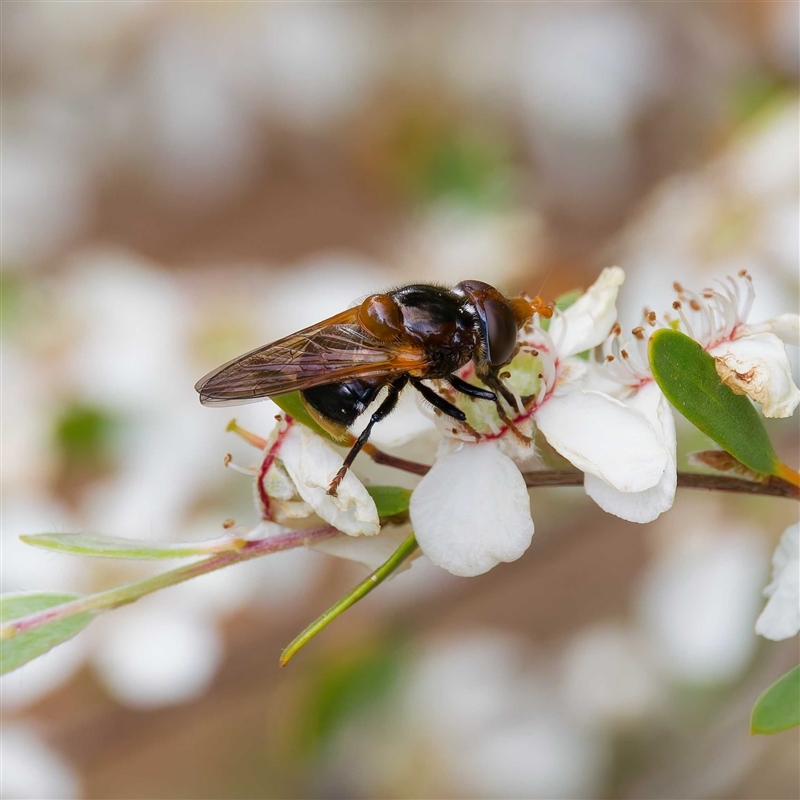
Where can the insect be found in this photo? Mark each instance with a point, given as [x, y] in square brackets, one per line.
[405, 336]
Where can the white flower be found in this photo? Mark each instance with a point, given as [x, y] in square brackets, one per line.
[371, 551]
[780, 618]
[486, 520]
[647, 504]
[291, 491]
[312, 463]
[471, 511]
[759, 367]
[750, 358]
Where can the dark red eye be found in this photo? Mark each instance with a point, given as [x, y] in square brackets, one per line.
[501, 330]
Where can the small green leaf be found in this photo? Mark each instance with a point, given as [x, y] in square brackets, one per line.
[293, 405]
[90, 544]
[688, 377]
[391, 501]
[17, 649]
[405, 551]
[778, 709]
[562, 303]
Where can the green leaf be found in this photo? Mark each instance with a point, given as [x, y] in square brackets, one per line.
[778, 709]
[466, 168]
[688, 377]
[83, 433]
[391, 501]
[293, 405]
[562, 303]
[90, 544]
[17, 649]
[405, 551]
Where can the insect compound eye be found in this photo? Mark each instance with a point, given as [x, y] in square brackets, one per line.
[501, 330]
[472, 288]
[380, 315]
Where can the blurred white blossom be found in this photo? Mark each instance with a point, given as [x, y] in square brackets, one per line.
[47, 200]
[698, 602]
[780, 619]
[32, 770]
[609, 679]
[738, 212]
[496, 726]
[148, 658]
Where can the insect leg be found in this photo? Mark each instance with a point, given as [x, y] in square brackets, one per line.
[438, 402]
[500, 388]
[383, 411]
[470, 390]
[497, 384]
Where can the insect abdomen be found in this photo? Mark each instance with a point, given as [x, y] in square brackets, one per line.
[342, 403]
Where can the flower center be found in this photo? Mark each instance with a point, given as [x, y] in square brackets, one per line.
[711, 317]
[530, 378]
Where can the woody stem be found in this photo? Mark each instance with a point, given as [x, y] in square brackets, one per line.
[771, 487]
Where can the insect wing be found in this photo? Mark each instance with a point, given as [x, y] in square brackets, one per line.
[334, 350]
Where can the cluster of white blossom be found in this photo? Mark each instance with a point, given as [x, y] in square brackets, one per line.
[580, 389]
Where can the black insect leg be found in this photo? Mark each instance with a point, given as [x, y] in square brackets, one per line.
[383, 411]
[470, 390]
[438, 402]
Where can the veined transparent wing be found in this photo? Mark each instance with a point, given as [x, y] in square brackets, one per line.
[334, 350]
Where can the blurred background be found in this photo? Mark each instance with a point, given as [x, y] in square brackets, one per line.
[182, 182]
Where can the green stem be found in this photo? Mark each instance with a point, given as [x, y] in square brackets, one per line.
[122, 595]
[351, 598]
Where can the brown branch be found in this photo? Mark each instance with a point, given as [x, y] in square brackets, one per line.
[380, 457]
[771, 487]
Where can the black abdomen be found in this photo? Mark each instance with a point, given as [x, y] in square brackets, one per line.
[343, 403]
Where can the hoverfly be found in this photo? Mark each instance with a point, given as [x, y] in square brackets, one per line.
[405, 336]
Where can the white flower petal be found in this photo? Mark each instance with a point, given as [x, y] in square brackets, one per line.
[405, 423]
[647, 505]
[586, 323]
[371, 551]
[759, 367]
[786, 327]
[312, 464]
[602, 436]
[780, 618]
[472, 511]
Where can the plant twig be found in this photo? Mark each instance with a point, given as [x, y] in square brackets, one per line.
[771, 487]
[122, 595]
[405, 551]
[381, 457]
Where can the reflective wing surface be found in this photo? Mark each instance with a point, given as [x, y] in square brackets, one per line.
[334, 350]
